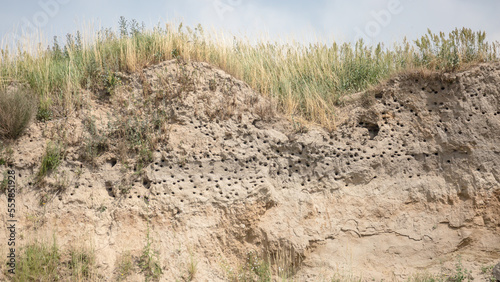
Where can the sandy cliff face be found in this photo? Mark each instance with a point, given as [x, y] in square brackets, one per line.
[407, 183]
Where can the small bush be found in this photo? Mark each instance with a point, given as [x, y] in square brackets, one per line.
[137, 137]
[259, 267]
[278, 265]
[16, 112]
[42, 261]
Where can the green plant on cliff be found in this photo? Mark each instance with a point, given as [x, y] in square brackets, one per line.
[461, 273]
[148, 261]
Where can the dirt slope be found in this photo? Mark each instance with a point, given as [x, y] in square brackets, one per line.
[407, 183]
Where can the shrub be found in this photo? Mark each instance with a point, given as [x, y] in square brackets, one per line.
[16, 112]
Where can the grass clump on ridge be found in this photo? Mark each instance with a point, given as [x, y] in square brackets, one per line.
[306, 80]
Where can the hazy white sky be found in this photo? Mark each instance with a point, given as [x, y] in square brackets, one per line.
[374, 20]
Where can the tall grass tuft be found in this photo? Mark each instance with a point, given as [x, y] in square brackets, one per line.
[81, 263]
[307, 80]
[38, 261]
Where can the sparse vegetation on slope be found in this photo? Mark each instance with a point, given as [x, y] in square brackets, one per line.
[44, 261]
[307, 80]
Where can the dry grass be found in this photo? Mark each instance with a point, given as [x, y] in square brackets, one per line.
[81, 263]
[280, 264]
[125, 266]
[42, 260]
[307, 81]
[38, 261]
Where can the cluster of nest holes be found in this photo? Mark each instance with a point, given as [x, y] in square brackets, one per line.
[398, 105]
[477, 96]
[228, 181]
[237, 169]
[438, 103]
[231, 184]
[190, 185]
[476, 106]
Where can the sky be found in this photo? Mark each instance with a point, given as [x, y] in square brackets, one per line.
[386, 21]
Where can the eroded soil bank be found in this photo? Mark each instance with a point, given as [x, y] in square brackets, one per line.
[408, 183]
